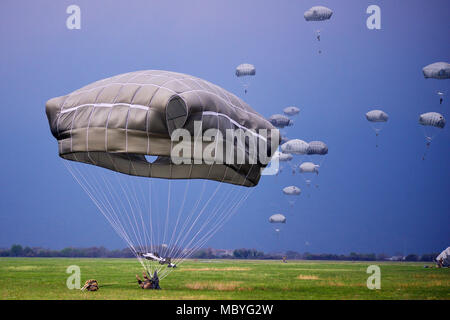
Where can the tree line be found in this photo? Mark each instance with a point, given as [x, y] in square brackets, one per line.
[17, 250]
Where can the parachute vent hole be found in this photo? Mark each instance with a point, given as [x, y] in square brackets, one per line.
[150, 159]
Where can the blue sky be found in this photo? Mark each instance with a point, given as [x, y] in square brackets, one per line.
[383, 199]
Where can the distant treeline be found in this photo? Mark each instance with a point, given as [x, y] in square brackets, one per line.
[17, 250]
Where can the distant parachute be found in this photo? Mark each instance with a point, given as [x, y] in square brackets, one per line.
[295, 146]
[432, 123]
[317, 150]
[281, 156]
[433, 119]
[317, 147]
[277, 218]
[291, 111]
[309, 167]
[377, 118]
[318, 14]
[309, 171]
[280, 121]
[441, 96]
[245, 72]
[291, 193]
[437, 70]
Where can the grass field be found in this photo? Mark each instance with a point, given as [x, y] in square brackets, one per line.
[45, 278]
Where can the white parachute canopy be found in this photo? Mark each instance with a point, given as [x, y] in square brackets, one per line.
[317, 148]
[277, 218]
[245, 72]
[318, 13]
[280, 121]
[433, 119]
[444, 256]
[377, 116]
[245, 69]
[309, 167]
[291, 194]
[292, 191]
[295, 146]
[437, 70]
[291, 111]
[281, 156]
[432, 123]
[377, 119]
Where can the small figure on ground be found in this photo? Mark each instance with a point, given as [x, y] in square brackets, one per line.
[90, 285]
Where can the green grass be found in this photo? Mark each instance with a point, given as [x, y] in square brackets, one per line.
[45, 278]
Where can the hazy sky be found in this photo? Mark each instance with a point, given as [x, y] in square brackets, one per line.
[370, 199]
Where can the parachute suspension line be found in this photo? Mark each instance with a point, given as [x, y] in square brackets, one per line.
[137, 235]
[219, 222]
[167, 214]
[207, 236]
[114, 205]
[144, 244]
[91, 191]
[171, 242]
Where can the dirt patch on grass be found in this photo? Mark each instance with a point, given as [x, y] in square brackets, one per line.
[424, 284]
[24, 268]
[328, 270]
[217, 269]
[217, 285]
[307, 277]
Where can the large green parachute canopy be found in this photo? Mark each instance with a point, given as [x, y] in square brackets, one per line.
[437, 70]
[277, 218]
[432, 119]
[120, 122]
[115, 122]
[318, 13]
